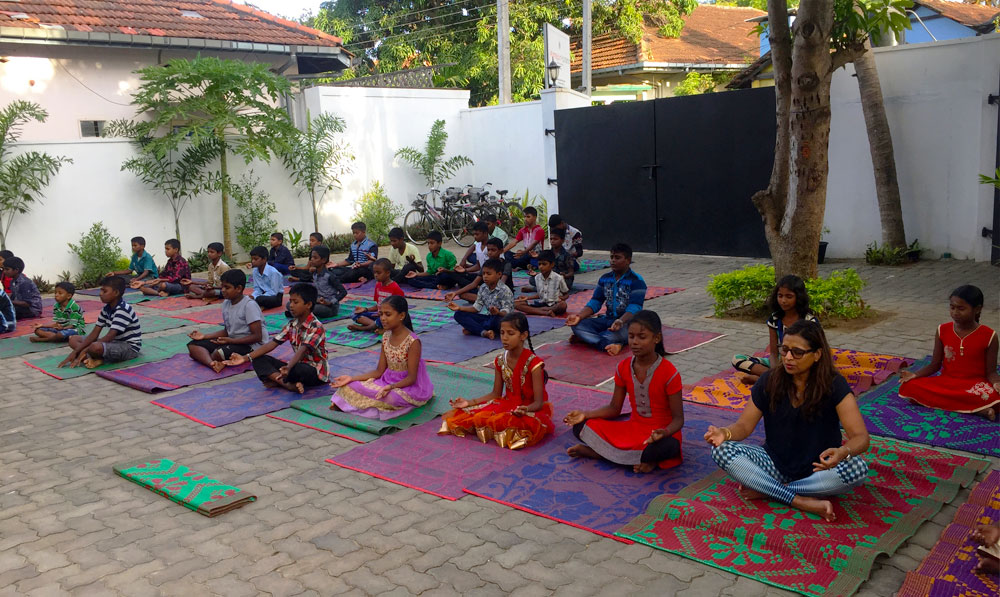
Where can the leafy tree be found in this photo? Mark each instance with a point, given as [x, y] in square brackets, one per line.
[378, 212]
[179, 174]
[23, 176]
[255, 221]
[230, 103]
[431, 162]
[827, 35]
[317, 159]
[389, 35]
[697, 83]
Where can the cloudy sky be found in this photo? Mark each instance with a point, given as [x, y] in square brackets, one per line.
[291, 9]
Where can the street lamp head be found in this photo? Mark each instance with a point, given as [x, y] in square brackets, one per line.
[553, 70]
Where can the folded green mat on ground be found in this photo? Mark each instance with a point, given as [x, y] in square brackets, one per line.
[188, 488]
[153, 349]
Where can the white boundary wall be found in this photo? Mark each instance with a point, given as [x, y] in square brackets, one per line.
[944, 135]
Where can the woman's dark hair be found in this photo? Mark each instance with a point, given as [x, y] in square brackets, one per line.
[781, 384]
[796, 285]
[519, 321]
[651, 321]
[399, 304]
[970, 294]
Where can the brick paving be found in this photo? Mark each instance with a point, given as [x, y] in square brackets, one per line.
[69, 525]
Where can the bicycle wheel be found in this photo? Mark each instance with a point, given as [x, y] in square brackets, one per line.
[460, 223]
[513, 218]
[417, 224]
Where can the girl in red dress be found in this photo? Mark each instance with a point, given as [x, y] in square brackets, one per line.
[966, 353]
[516, 413]
[651, 437]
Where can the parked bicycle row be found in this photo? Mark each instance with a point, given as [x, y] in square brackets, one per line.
[454, 211]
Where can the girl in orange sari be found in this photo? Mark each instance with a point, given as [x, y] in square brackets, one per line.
[516, 413]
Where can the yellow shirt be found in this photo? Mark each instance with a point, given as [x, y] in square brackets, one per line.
[399, 259]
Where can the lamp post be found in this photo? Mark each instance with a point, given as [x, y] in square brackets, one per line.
[553, 71]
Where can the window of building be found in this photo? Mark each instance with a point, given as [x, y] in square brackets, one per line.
[91, 128]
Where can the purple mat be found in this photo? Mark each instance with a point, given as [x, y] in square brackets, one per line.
[223, 404]
[450, 345]
[888, 415]
[177, 372]
[443, 465]
[597, 495]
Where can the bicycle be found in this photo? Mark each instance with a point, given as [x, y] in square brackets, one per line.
[454, 220]
[509, 215]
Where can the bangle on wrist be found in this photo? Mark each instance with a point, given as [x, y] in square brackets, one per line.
[729, 434]
[849, 455]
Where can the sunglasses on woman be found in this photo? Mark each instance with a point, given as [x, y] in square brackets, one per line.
[796, 352]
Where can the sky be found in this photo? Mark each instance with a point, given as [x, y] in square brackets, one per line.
[290, 9]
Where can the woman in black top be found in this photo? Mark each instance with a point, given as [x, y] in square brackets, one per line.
[803, 403]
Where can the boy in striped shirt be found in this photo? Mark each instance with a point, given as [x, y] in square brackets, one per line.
[123, 339]
[67, 317]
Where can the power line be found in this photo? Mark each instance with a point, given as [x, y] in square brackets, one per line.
[362, 26]
[88, 88]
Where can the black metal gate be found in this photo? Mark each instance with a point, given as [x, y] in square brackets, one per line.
[671, 175]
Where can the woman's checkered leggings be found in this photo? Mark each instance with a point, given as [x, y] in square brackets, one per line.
[753, 468]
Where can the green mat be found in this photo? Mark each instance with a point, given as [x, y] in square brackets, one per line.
[153, 349]
[188, 488]
[275, 321]
[21, 345]
[158, 323]
[449, 381]
[433, 317]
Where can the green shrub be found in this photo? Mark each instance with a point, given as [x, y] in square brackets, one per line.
[42, 284]
[65, 276]
[378, 212]
[837, 295]
[338, 242]
[749, 286]
[876, 255]
[123, 264]
[99, 252]
[255, 223]
[198, 261]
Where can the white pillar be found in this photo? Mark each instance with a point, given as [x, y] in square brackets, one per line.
[587, 49]
[503, 51]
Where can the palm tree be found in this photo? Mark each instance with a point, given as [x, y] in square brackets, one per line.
[317, 159]
[430, 162]
[23, 176]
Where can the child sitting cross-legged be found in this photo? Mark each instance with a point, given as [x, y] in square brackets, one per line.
[279, 257]
[305, 274]
[367, 320]
[621, 292]
[651, 437]
[268, 283]
[308, 366]
[242, 326]
[494, 250]
[531, 237]
[440, 261]
[399, 383]
[142, 263]
[23, 292]
[67, 317]
[328, 287]
[175, 273]
[516, 413]
[216, 267]
[551, 290]
[493, 302]
[404, 256]
[123, 339]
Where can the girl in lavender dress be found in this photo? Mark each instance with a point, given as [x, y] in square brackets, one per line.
[399, 383]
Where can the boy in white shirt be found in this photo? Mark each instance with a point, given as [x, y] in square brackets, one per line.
[551, 290]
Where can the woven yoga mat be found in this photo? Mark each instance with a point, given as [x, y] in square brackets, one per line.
[948, 568]
[188, 488]
[450, 345]
[177, 372]
[27, 327]
[18, 343]
[585, 365]
[449, 383]
[153, 349]
[597, 495]
[861, 369]
[443, 465]
[227, 403]
[888, 415]
[778, 545]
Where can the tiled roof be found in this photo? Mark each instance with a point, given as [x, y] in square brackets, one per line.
[199, 19]
[970, 15]
[711, 35]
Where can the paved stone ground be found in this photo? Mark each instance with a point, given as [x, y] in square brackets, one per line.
[69, 525]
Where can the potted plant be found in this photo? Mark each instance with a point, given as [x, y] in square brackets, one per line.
[822, 245]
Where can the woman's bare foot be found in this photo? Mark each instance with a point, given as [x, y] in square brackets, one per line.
[489, 335]
[582, 451]
[751, 494]
[822, 508]
[613, 349]
[643, 467]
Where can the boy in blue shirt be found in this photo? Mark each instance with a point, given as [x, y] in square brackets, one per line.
[268, 283]
[622, 292]
[358, 265]
[279, 257]
[142, 264]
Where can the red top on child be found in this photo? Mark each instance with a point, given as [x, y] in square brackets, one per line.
[383, 291]
[530, 235]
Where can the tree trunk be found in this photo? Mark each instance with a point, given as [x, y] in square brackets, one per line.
[312, 193]
[227, 238]
[794, 202]
[883, 157]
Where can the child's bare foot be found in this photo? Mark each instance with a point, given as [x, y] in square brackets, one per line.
[643, 467]
[268, 383]
[164, 293]
[750, 494]
[822, 508]
[379, 331]
[92, 363]
[295, 387]
[748, 378]
[987, 413]
[355, 327]
[574, 339]
[489, 335]
[987, 564]
[218, 366]
[36, 339]
[582, 451]
[466, 332]
[613, 349]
